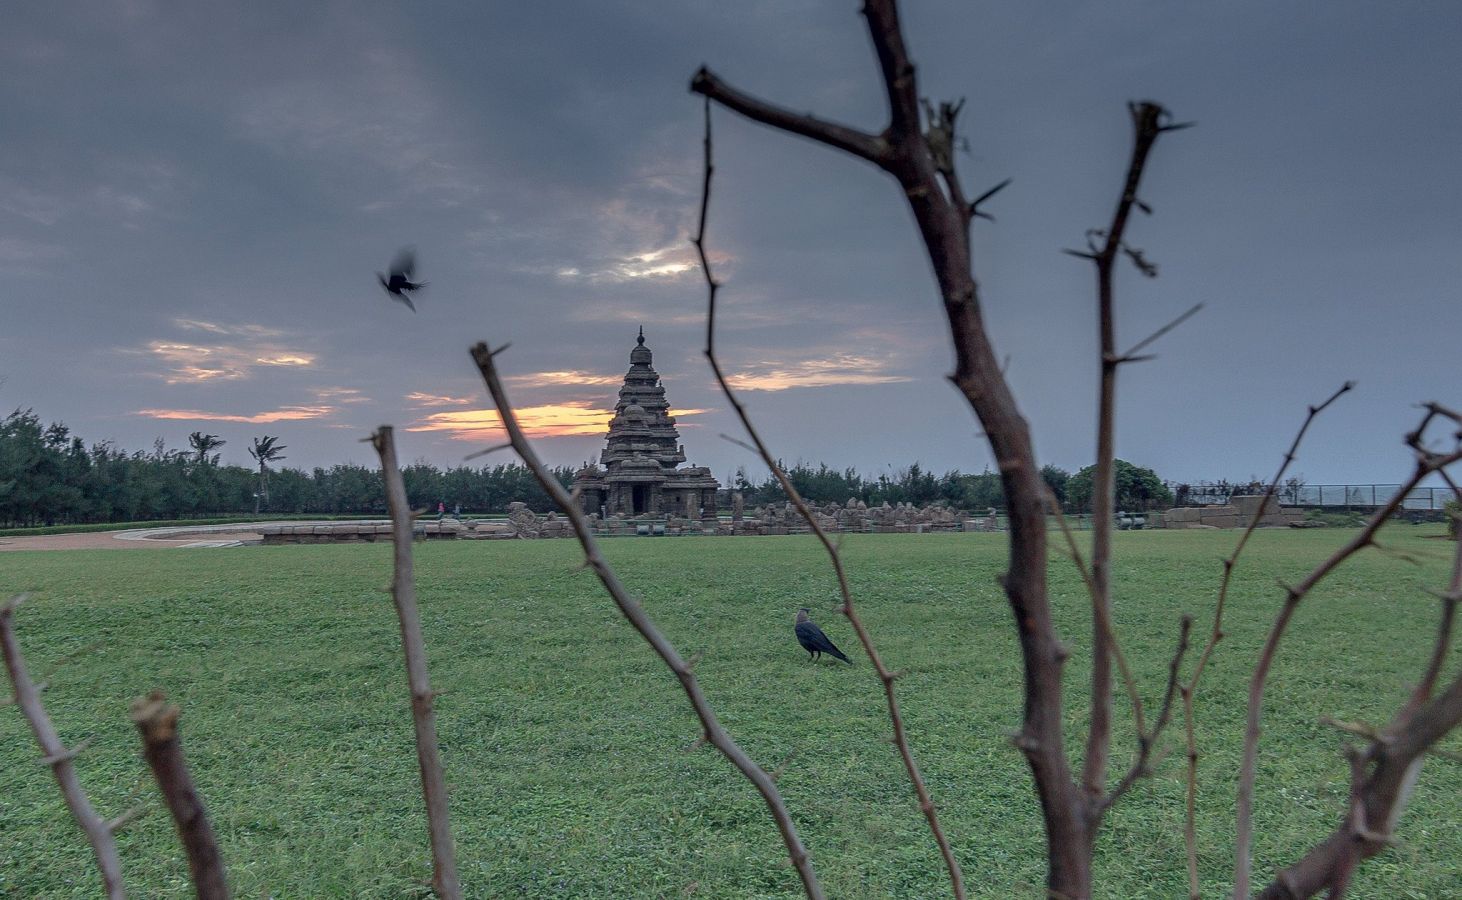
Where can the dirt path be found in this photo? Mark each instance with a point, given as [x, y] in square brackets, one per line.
[108, 540]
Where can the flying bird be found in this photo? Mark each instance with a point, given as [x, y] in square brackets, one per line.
[813, 640]
[399, 284]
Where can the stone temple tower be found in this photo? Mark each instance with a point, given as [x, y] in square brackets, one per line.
[642, 451]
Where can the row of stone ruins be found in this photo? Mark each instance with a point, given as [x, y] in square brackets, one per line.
[773, 518]
[769, 519]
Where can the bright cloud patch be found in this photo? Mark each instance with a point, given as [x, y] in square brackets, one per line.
[237, 330]
[808, 373]
[232, 353]
[569, 377]
[283, 414]
[421, 399]
[340, 395]
[194, 363]
[554, 420]
[666, 263]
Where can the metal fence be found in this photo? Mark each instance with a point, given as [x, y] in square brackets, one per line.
[1364, 496]
[1325, 496]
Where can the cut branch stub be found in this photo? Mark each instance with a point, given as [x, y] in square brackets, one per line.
[158, 724]
[445, 881]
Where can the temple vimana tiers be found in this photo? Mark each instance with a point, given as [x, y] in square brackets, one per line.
[640, 459]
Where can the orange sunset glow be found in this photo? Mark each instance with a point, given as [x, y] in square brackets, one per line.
[551, 420]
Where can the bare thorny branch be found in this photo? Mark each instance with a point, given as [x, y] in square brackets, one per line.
[712, 730]
[886, 676]
[1386, 769]
[1189, 691]
[1149, 121]
[445, 882]
[1146, 739]
[59, 758]
[922, 163]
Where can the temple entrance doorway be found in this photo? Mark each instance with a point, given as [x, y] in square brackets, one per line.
[640, 501]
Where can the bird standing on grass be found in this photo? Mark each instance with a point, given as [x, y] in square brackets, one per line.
[399, 284]
[813, 640]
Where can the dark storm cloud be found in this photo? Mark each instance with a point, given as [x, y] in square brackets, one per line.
[194, 199]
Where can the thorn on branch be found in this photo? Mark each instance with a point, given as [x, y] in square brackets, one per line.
[974, 207]
[1143, 264]
[128, 817]
[1130, 355]
[740, 443]
[67, 754]
[493, 449]
[1359, 729]
[782, 767]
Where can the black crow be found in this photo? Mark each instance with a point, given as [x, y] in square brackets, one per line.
[813, 640]
[399, 283]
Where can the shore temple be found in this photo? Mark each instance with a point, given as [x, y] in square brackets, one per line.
[643, 449]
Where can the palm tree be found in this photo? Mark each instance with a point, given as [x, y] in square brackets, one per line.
[203, 444]
[265, 451]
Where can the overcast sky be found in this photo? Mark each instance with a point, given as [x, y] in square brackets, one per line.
[194, 199]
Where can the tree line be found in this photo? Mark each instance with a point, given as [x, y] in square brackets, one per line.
[1138, 488]
[49, 476]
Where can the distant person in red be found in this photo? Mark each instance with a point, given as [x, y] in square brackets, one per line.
[441, 510]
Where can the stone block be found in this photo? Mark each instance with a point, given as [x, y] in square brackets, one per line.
[1209, 512]
[1222, 521]
[1248, 504]
[1182, 514]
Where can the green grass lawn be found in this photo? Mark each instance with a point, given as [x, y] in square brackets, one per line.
[567, 742]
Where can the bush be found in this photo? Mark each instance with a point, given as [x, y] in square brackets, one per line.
[1138, 488]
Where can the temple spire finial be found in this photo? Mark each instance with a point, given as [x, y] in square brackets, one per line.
[641, 340]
